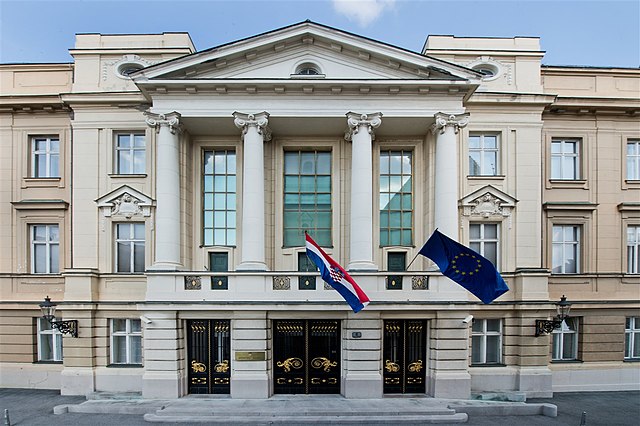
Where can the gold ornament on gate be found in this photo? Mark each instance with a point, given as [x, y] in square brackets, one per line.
[198, 367]
[322, 362]
[391, 367]
[289, 363]
[415, 367]
[221, 367]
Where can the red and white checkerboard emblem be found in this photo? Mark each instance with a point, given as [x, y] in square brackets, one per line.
[336, 274]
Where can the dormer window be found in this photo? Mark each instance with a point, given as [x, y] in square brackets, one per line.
[308, 69]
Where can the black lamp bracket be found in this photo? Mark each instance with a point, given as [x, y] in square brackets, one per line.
[66, 327]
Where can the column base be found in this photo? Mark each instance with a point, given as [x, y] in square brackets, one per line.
[362, 266]
[250, 386]
[165, 266]
[363, 386]
[252, 266]
[450, 385]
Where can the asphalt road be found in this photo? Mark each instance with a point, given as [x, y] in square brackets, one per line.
[35, 408]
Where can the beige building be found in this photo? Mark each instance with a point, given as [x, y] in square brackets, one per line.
[159, 196]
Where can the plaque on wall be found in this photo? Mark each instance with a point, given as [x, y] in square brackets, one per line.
[250, 356]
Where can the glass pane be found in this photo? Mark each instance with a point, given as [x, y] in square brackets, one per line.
[490, 163]
[476, 349]
[474, 141]
[231, 201]
[136, 349]
[208, 201]
[46, 347]
[384, 238]
[40, 166]
[124, 162]
[475, 246]
[291, 163]
[138, 231]
[406, 237]
[395, 184]
[491, 232]
[231, 184]
[324, 183]
[570, 266]
[491, 252]
[568, 168]
[384, 163]
[231, 237]
[220, 201]
[406, 202]
[231, 219]
[208, 237]
[568, 350]
[307, 183]
[124, 257]
[477, 326]
[41, 144]
[493, 325]
[124, 141]
[291, 183]
[395, 237]
[307, 163]
[324, 201]
[395, 219]
[219, 219]
[57, 339]
[490, 141]
[40, 259]
[53, 169]
[474, 163]
[406, 220]
[324, 219]
[323, 237]
[119, 350]
[636, 346]
[138, 162]
[139, 140]
[40, 233]
[493, 349]
[219, 237]
[556, 147]
[291, 237]
[54, 261]
[220, 183]
[119, 325]
[384, 201]
[556, 168]
[406, 164]
[220, 163]
[395, 164]
[395, 202]
[208, 162]
[138, 257]
[231, 163]
[571, 233]
[324, 163]
[208, 184]
[474, 232]
[384, 219]
[557, 234]
[135, 326]
[556, 346]
[557, 259]
[44, 324]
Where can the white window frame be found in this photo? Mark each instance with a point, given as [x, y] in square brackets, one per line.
[563, 243]
[482, 336]
[132, 150]
[631, 336]
[482, 240]
[49, 268]
[482, 150]
[558, 343]
[56, 338]
[48, 155]
[633, 249]
[566, 154]
[128, 335]
[633, 173]
[131, 240]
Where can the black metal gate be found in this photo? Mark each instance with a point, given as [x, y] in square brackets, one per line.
[209, 356]
[405, 349]
[306, 356]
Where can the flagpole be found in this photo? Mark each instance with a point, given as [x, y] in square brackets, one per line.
[410, 263]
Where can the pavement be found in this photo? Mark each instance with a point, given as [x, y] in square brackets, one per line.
[37, 407]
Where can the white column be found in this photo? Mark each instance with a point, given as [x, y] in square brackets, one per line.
[167, 226]
[255, 132]
[360, 133]
[446, 128]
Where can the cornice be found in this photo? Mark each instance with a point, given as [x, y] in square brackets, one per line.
[541, 99]
[99, 98]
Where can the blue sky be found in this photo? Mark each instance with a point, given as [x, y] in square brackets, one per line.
[587, 32]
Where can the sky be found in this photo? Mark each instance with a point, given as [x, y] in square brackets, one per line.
[604, 33]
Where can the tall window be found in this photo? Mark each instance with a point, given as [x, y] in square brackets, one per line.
[565, 341]
[565, 159]
[566, 249]
[307, 197]
[633, 249]
[632, 338]
[130, 153]
[49, 342]
[220, 198]
[483, 155]
[130, 247]
[45, 249]
[126, 341]
[486, 341]
[483, 238]
[396, 198]
[45, 157]
[633, 159]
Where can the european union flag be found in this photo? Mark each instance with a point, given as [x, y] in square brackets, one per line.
[464, 266]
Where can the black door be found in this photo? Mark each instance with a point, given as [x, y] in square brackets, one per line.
[404, 363]
[209, 356]
[306, 356]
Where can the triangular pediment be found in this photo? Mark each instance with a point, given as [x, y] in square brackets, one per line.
[488, 201]
[125, 201]
[279, 54]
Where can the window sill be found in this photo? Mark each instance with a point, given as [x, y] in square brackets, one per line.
[631, 360]
[485, 177]
[487, 365]
[124, 365]
[566, 361]
[48, 362]
[568, 183]
[126, 175]
[42, 182]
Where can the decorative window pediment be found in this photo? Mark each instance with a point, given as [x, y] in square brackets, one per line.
[488, 202]
[125, 202]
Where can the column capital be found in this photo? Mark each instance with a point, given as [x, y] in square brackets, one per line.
[355, 121]
[457, 121]
[171, 120]
[259, 120]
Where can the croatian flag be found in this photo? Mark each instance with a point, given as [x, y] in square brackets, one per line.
[336, 276]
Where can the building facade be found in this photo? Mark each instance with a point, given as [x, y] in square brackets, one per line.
[159, 195]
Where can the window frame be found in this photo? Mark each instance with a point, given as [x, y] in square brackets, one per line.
[482, 150]
[633, 250]
[56, 337]
[128, 335]
[230, 195]
[482, 241]
[635, 157]
[132, 150]
[631, 335]
[132, 242]
[483, 334]
[558, 341]
[48, 246]
[576, 243]
[390, 152]
[48, 154]
[562, 155]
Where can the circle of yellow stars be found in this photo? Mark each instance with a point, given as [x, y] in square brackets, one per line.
[456, 267]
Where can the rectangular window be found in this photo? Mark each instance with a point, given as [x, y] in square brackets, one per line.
[566, 249]
[219, 262]
[45, 157]
[483, 238]
[305, 264]
[219, 193]
[396, 261]
[632, 338]
[396, 198]
[307, 197]
[126, 341]
[45, 249]
[633, 159]
[49, 342]
[483, 155]
[633, 250]
[129, 247]
[565, 159]
[565, 341]
[486, 341]
[130, 153]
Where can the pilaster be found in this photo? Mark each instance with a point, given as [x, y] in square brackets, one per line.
[250, 379]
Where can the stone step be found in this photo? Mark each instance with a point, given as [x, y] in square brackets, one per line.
[355, 419]
[301, 411]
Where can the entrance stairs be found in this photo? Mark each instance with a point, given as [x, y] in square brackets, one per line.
[306, 409]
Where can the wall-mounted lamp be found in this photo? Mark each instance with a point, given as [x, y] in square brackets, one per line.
[48, 313]
[547, 326]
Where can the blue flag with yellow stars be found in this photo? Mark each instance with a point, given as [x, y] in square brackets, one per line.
[464, 266]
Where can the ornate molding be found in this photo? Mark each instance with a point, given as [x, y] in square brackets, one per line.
[355, 121]
[281, 283]
[443, 120]
[124, 202]
[420, 282]
[126, 59]
[260, 121]
[171, 120]
[488, 202]
[192, 282]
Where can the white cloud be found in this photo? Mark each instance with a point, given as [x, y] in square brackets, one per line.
[363, 12]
